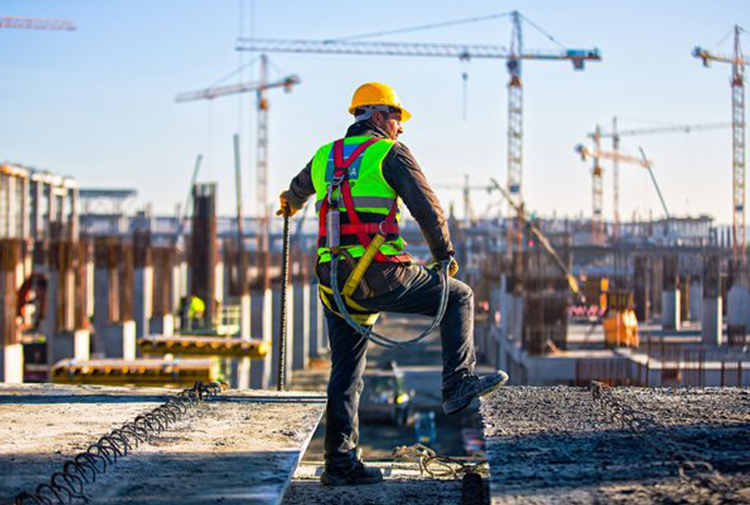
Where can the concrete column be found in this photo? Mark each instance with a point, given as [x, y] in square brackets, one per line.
[261, 325]
[162, 325]
[219, 283]
[711, 321]
[179, 284]
[738, 306]
[119, 340]
[301, 327]
[696, 300]
[143, 290]
[48, 325]
[670, 310]
[71, 344]
[101, 307]
[711, 313]
[670, 295]
[276, 325]
[243, 366]
[11, 364]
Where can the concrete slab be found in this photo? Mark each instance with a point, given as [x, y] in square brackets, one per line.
[242, 447]
[557, 445]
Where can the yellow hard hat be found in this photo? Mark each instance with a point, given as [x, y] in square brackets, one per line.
[377, 93]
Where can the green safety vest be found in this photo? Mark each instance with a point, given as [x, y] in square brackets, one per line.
[372, 196]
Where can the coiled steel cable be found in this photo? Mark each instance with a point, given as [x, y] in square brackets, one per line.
[375, 337]
[69, 485]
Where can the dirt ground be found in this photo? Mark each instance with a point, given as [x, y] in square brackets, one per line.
[559, 445]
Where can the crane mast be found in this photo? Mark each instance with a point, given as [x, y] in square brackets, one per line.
[738, 62]
[515, 125]
[260, 88]
[738, 149]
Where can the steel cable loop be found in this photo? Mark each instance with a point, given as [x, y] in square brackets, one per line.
[688, 463]
[377, 338]
[67, 486]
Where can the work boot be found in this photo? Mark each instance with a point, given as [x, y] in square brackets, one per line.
[458, 396]
[357, 474]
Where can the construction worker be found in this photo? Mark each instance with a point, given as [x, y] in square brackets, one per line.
[372, 172]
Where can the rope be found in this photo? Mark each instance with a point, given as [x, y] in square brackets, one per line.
[377, 338]
[68, 485]
[438, 466]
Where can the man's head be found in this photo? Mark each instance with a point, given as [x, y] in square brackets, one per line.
[379, 103]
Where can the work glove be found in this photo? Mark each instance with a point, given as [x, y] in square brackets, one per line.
[285, 205]
[452, 268]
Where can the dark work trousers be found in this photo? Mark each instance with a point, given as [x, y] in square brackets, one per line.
[420, 294]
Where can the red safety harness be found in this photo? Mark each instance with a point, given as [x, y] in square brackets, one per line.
[355, 226]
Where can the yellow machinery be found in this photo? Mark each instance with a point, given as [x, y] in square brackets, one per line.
[204, 346]
[140, 372]
[620, 324]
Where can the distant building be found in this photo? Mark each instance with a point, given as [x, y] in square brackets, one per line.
[37, 205]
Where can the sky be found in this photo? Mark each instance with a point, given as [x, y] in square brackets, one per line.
[98, 103]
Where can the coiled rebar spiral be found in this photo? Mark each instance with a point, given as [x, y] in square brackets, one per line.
[68, 485]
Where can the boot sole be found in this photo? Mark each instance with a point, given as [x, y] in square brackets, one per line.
[468, 402]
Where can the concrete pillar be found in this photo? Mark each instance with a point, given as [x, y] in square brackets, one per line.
[119, 340]
[262, 328]
[670, 310]
[738, 306]
[301, 326]
[143, 290]
[243, 366]
[71, 344]
[48, 325]
[162, 325]
[696, 300]
[670, 296]
[11, 364]
[101, 307]
[219, 283]
[276, 332]
[711, 313]
[11, 349]
[711, 321]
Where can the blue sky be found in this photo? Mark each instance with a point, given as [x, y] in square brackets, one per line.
[98, 103]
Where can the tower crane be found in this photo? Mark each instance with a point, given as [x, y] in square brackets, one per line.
[738, 62]
[514, 56]
[260, 87]
[597, 224]
[36, 23]
[466, 190]
[616, 135]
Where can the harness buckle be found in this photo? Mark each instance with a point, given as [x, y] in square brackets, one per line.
[380, 229]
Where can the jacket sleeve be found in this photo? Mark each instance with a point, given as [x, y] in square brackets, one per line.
[402, 172]
[301, 187]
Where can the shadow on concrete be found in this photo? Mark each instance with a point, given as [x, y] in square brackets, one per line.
[185, 478]
[575, 460]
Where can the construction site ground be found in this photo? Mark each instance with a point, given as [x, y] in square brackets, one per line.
[562, 445]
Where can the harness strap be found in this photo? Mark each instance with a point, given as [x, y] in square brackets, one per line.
[359, 313]
[338, 153]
